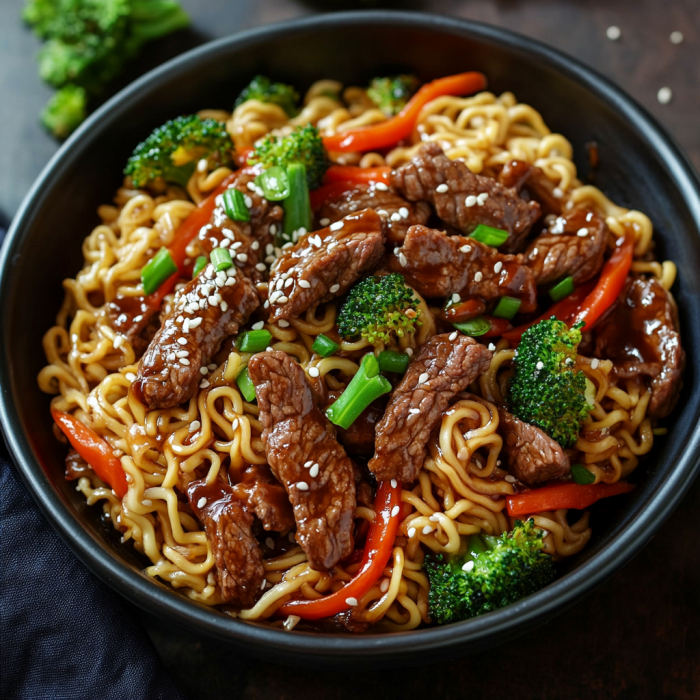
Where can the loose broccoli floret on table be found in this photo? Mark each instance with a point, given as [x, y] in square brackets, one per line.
[65, 111]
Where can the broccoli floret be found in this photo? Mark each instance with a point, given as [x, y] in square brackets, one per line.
[263, 89]
[172, 150]
[392, 94]
[65, 111]
[379, 308]
[303, 145]
[544, 389]
[490, 574]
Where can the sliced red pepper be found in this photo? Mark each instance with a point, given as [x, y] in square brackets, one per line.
[94, 450]
[380, 543]
[355, 174]
[563, 310]
[610, 284]
[498, 327]
[391, 131]
[330, 191]
[578, 496]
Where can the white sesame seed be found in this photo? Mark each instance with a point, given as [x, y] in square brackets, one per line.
[384, 585]
[214, 299]
[456, 298]
[260, 267]
[302, 486]
[423, 378]
[313, 472]
[203, 384]
[195, 425]
[470, 201]
[334, 288]
[234, 423]
[478, 276]
[223, 306]
[442, 188]
[492, 347]
[138, 318]
[533, 253]
[225, 243]
[414, 411]
[664, 95]
[179, 319]
[409, 352]
[251, 186]
[269, 543]
[325, 221]
[275, 296]
[313, 372]
[395, 216]
[676, 37]
[382, 212]
[394, 483]
[453, 335]
[427, 529]
[283, 300]
[510, 478]
[594, 363]
[351, 601]
[282, 323]
[498, 267]
[269, 248]
[382, 186]
[395, 511]
[288, 282]
[468, 566]
[130, 376]
[411, 532]
[582, 232]
[613, 33]
[540, 365]
[182, 353]
[204, 371]
[482, 198]
[463, 454]
[304, 284]
[558, 192]
[308, 464]
[465, 249]
[182, 341]
[184, 361]
[242, 257]
[258, 326]
[337, 226]
[403, 211]
[402, 260]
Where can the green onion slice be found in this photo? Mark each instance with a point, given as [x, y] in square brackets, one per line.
[324, 346]
[235, 206]
[581, 475]
[562, 289]
[245, 384]
[221, 259]
[474, 326]
[199, 264]
[390, 361]
[157, 270]
[274, 183]
[507, 307]
[297, 207]
[489, 235]
[253, 341]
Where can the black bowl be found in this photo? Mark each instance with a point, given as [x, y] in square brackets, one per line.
[639, 167]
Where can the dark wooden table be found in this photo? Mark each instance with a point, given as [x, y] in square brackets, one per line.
[638, 635]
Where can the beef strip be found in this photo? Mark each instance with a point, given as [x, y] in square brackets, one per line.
[265, 497]
[561, 251]
[438, 265]
[438, 371]
[397, 213]
[133, 318]
[641, 336]
[490, 202]
[533, 457]
[76, 466]
[223, 303]
[323, 265]
[296, 433]
[530, 182]
[239, 561]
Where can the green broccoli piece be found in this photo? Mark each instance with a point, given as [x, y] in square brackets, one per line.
[544, 389]
[376, 309]
[493, 572]
[65, 111]
[304, 145]
[392, 94]
[172, 150]
[263, 89]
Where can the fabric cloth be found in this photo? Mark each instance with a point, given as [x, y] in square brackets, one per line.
[63, 633]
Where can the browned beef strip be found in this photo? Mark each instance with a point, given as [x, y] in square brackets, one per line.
[561, 251]
[438, 265]
[133, 318]
[239, 561]
[397, 213]
[498, 206]
[533, 457]
[358, 439]
[324, 264]
[641, 336]
[530, 182]
[265, 497]
[223, 303]
[296, 433]
[438, 371]
[76, 466]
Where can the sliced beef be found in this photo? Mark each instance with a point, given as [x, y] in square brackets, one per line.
[533, 457]
[530, 182]
[573, 245]
[469, 199]
[397, 213]
[209, 308]
[133, 318]
[265, 497]
[239, 561]
[438, 265]
[76, 466]
[323, 265]
[295, 434]
[641, 336]
[358, 439]
[438, 371]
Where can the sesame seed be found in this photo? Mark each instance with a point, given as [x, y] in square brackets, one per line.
[337, 226]
[382, 212]
[213, 299]
[492, 347]
[402, 260]
[302, 486]
[204, 371]
[384, 585]
[313, 472]
[195, 425]
[179, 319]
[453, 335]
[676, 37]
[288, 282]
[351, 601]
[465, 249]
[403, 211]
[482, 198]
[225, 243]
[470, 201]
[442, 188]
[269, 248]
[313, 372]
[308, 464]
[248, 201]
[251, 186]
[130, 376]
[184, 361]
[282, 323]
[394, 483]
[260, 267]
[223, 306]
[382, 186]
[283, 300]
[414, 411]
[182, 353]
[395, 511]
[613, 33]
[423, 378]
[304, 284]
[456, 298]
[395, 216]
[594, 363]
[478, 276]
[182, 341]
[275, 296]
[540, 365]
[510, 478]
[325, 221]
[269, 543]
[258, 326]
[409, 352]
[582, 232]
[664, 95]
[498, 267]
[427, 529]
[411, 532]
[463, 454]
[533, 253]
[186, 325]
[138, 318]
[203, 384]
[242, 257]
[557, 192]
[234, 423]
[334, 288]
[468, 566]
[195, 322]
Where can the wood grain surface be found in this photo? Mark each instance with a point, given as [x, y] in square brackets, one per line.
[636, 636]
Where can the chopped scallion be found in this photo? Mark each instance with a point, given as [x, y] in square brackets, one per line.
[157, 270]
[221, 259]
[297, 206]
[507, 307]
[274, 183]
[489, 235]
[390, 361]
[245, 384]
[253, 341]
[235, 206]
[474, 326]
[562, 289]
[324, 346]
[199, 264]
[581, 475]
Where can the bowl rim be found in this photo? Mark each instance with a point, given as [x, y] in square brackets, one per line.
[161, 599]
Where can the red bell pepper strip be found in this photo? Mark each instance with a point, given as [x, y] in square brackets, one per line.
[355, 174]
[578, 496]
[610, 284]
[391, 131]
[498, 327]
[378, 548]
[320, 196]
[94, 450]
[563, 310]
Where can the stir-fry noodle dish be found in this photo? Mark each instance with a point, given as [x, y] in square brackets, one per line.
[361, 361]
